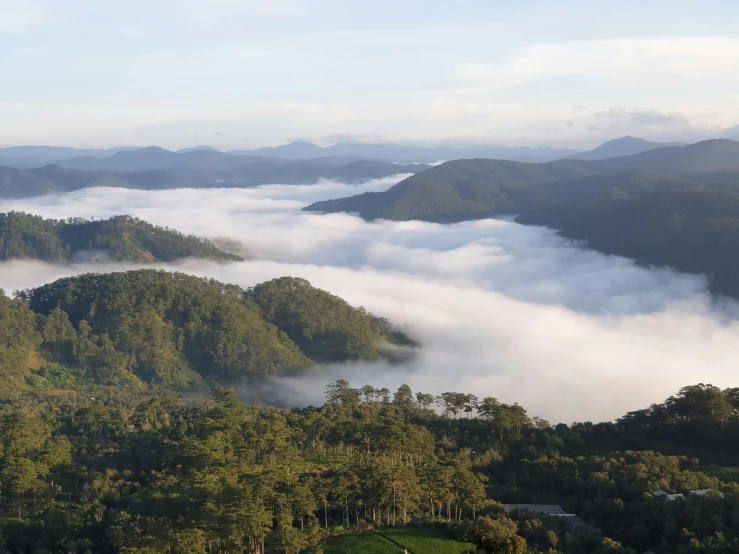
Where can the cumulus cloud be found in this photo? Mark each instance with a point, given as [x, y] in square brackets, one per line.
[619, 121]
[502, 309]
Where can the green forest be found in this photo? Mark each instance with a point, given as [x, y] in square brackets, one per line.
[120, 238]
[141, 470]
[152, 327]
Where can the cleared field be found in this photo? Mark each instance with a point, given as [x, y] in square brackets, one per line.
[394, 541]
[426, 541]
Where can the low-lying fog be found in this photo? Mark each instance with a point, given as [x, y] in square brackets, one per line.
[502, 309]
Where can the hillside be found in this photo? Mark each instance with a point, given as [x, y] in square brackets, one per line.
[456, 190]
[624, 146]
[172, 329]
[17, 183]
[695, 231]
[120, 238]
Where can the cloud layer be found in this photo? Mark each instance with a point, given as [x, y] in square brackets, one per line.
[504, 310]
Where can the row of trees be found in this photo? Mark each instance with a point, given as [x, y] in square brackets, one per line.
[507, 418]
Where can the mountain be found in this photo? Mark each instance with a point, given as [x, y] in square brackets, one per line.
[177, 330]
[701, 157]
[195, 148]
[625, 146]
[298, 150]
[18, 183]
[35, 156]
[407, 154]
[456, 190]
[465, 189]
[120, 238]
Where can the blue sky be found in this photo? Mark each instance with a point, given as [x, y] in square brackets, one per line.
[239, 74]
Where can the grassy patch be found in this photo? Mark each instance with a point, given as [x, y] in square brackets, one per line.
[426, 541]
[394, 541]
[363, 543]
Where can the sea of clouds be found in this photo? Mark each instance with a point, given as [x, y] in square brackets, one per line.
[501, 309]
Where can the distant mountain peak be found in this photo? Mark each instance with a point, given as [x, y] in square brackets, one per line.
[198, 148]
[623, 146]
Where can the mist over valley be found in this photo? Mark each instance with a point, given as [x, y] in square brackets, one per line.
[501, 308]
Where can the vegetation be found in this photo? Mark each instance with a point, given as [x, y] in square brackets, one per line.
[138, 471]
[691, 230]
[324, 326]
[171, 329]
[119, 238]
[426, 540]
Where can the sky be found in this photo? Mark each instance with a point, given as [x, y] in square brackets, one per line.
[500, 309]
[248, 73]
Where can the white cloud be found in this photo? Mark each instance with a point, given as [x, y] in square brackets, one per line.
[504, 310]
[715, 58]
[252, 55]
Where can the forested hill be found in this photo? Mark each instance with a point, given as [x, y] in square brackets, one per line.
[176, 330]
[120, 238]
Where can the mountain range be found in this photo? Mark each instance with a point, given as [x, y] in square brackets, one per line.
[474, 188]
[410, 154]
[674, 206]
[151, 157]
[146, 170]
[209, 158]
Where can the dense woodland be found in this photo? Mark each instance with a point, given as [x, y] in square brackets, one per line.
[675, 206]
[175, 330]
[130, 470]
[120, 238]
